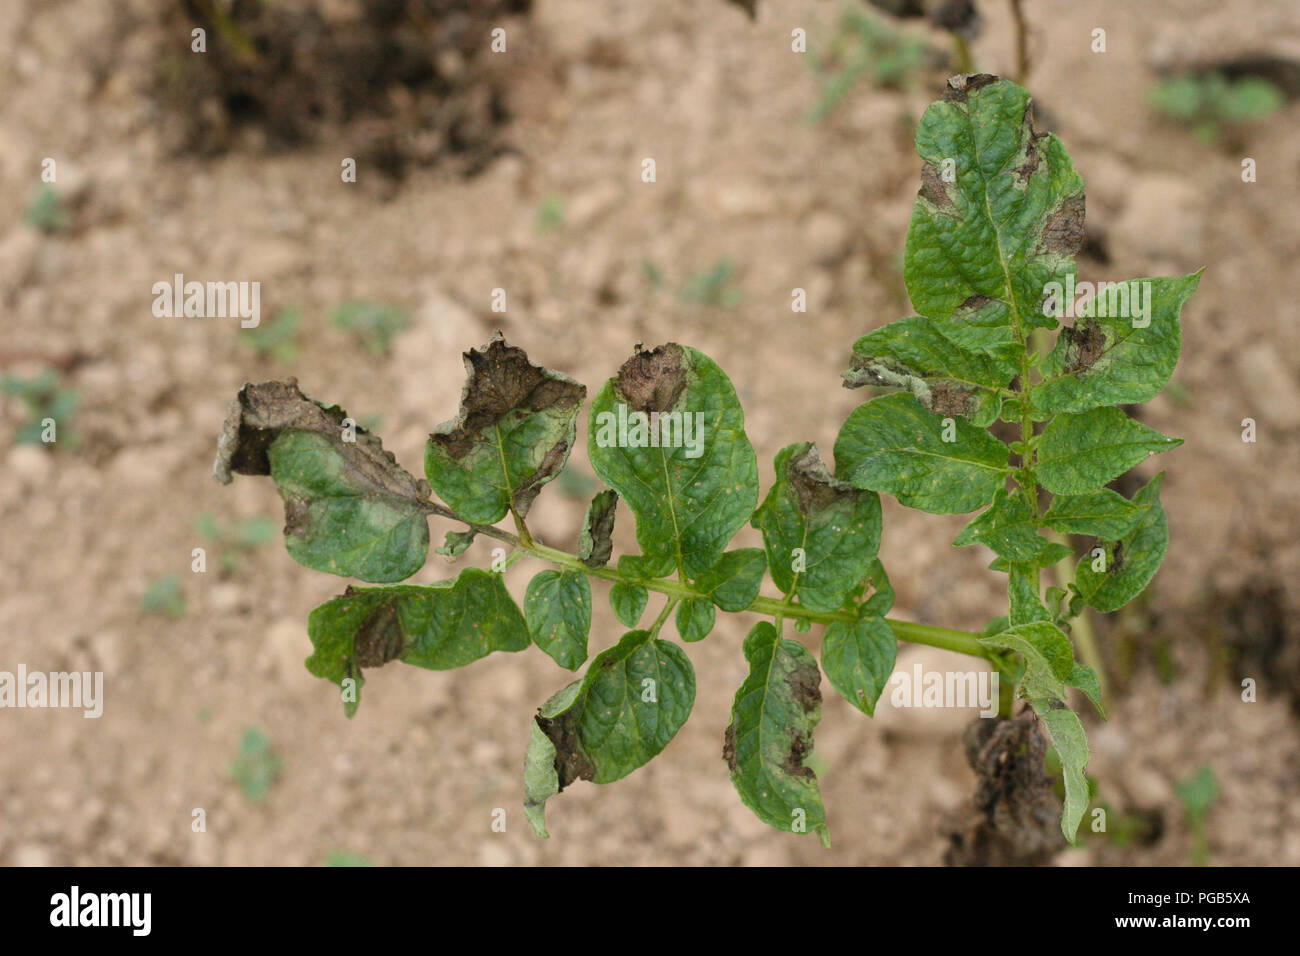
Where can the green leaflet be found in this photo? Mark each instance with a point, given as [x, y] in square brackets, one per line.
[982, 249]
[892, 444]
[628, 602]
[1024, 604]
[594, 541]
[913, 355]
[1104, 513]
[858, 659]
[456, 543]
[437, 626]
[1007, 527]
[1078, 453]
[733, 582]
[349, 509]
[557, 607]
[516, 425]
[1049, 659]
[770, 734]
[1084, 678]
[1119, 358]
[633, 699]
[1071, 743]
[1052, 554]
[821, 534]
[695, 620]
[691, 494]
[1132, 561]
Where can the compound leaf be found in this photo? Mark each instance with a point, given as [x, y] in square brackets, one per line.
[668, 434]
[770, 734]
[892, 444]
[557, 607]
[1078, 453]
[821, 534]
[516, 425]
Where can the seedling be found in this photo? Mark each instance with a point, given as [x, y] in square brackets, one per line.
[46, 213]
[865, 47]
[163, 596]
[256, 767]
[1197, 794]
[47, 402]
[276, 339]
[236, 539]
[550, 214]
[713, 287]
[1212, 105]
[991, 246]
[375, 323]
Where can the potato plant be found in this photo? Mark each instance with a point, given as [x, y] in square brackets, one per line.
[989, 260]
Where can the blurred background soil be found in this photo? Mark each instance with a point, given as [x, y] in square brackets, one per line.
[521, 170]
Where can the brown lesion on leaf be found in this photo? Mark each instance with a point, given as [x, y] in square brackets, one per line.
[933, 189]
[570, 762]
[502, 380]
[1085, 343]
[729, 748]
[1063, 231]
[974, 304]
[950, 399]
[596, 544]
[800, 747]
[653, 380]
[261, 413]
[963, 84]
[552, 462]
[1014, 819]
[813, 486]
[380, 637]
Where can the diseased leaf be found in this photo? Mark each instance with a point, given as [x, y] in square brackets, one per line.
[695, 620]
[595, 544]
[892, 444]
[1119, 358]
[437, 626]
[1103, 513]
[858, 659]
[557, 607]
[913, 355]
[349, 508]
[1007, 527]
[734, 581]
[982, 248]
[1132, 561]
[629, 705]
[821, 534]
[772, 721]
[693, 488]
[1078, 453]
[1049, 659]
[516, 426]
[1071, 743]
[628, 602]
